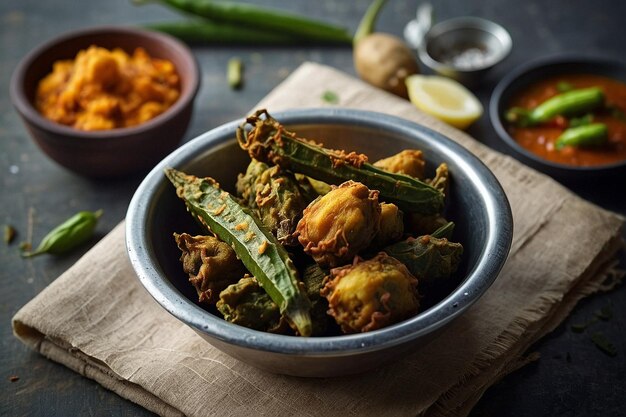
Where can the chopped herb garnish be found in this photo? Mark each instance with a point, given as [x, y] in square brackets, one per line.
[581, 121]
[234, 73]
[617, 113]
[9, 234]
[579, 327]
[604, 344]
[564, 86]
[330, 97]
[605, 313]
[26, 246]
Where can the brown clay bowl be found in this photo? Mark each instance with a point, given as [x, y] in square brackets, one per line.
[115, 152]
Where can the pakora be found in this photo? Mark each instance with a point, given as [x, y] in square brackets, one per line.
[336, 226]
[371, 294]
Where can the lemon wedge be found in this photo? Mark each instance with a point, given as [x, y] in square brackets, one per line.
[445, 99]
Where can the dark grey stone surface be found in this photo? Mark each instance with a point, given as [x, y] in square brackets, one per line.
[572, 378]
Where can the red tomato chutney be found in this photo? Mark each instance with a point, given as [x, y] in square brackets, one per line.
[541, 139]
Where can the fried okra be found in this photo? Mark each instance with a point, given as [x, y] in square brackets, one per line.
[247, 304]
[276, 197]
[336, 226]
[212, 265]
[372, 294]
[430, 259]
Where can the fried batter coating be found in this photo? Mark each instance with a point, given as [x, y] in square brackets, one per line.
[336, 226]
[442, 177]
[212, 265]
[369, 295]
[409, 162]
[276, 196]
[247, 304]
[391, 225]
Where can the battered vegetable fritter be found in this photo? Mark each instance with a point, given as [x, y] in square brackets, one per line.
[369, 295]
[336, 226]
[408, 162]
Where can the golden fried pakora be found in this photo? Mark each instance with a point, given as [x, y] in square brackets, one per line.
[336, 226]
[371, 294]
[408, 162]
[391, 225]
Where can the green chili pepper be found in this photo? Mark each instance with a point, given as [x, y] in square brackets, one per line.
[254, 244]
[212, 33]
[593, 134]
[76, 230]
[252, 16]
[565, 104]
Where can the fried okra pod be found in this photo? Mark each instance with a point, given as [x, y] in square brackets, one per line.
[429, 259]
[268, 141]
[245, 303]
[211, 264]
[258, 249]
[372, 294]
[276, 197]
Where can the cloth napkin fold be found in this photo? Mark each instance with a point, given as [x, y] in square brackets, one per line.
[99, 321]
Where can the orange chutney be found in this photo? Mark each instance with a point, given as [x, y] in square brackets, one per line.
[102, 89]
[541, 139]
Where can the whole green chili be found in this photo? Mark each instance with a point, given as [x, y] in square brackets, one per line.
[593, 134]
[76, 230]
[205, 32]
[568, 103]
[253, 16]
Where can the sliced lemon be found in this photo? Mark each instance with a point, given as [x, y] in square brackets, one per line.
[445, 99]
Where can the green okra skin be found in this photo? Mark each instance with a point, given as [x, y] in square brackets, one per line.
[74, 231]
[257, 248]
[247, 15]
[594, 134]
[569, 103]
[428, 258]
[269, 142]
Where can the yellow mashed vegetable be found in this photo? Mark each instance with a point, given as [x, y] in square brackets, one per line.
[102, 89]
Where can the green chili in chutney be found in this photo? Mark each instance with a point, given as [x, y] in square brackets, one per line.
[543, 139]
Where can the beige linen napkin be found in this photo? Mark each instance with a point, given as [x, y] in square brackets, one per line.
[98, 320]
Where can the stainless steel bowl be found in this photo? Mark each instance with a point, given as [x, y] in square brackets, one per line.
[476, 202]
[464, 48]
